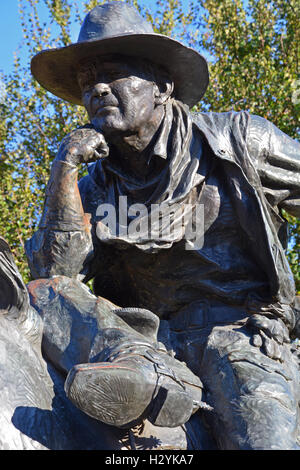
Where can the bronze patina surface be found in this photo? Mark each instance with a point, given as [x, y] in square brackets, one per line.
[186, 340]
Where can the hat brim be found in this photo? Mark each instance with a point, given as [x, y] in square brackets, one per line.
[56, 69]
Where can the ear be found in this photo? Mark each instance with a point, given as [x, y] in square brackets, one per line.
[163, 91]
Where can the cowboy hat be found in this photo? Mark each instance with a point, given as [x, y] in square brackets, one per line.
[117, 28]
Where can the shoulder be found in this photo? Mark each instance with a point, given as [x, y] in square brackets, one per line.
[223, 130]
[219, 120]
[251, 128]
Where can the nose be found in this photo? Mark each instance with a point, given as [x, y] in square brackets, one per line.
[101, 89]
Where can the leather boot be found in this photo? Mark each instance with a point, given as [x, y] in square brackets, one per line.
[135, 383]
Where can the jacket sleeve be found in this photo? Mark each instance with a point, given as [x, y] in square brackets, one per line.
[277, 160]
[60, 248]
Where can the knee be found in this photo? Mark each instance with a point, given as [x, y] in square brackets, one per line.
[69, 314]
[255, 398]
[232, 367]
[42, 291]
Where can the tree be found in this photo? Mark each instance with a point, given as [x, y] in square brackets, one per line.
[254, 65]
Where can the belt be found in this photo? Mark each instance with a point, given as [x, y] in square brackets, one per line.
[201, 314]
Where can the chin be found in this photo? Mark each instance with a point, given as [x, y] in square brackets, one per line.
[109, 126]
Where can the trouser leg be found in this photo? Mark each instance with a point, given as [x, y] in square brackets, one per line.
[255, 398]
[85, 334]
[79, 327]
[72, 317]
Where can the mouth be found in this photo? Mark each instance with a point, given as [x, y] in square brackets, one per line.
[105, 109]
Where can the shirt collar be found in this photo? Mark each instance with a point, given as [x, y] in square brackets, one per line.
[161, 145]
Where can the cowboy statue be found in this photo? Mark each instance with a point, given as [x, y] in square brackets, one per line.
[178, 222]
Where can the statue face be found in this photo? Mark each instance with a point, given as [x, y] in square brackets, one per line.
[119, 98]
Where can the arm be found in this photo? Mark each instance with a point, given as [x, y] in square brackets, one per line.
[277, 160]
[63, 244]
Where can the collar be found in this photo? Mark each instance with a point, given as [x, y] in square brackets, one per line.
[160, 146]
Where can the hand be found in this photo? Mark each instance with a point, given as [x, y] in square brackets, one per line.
[84, 145]
[270, 334]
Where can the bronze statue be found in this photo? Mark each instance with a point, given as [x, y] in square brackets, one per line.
[199, 310]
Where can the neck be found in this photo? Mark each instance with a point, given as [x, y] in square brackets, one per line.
[132, 150]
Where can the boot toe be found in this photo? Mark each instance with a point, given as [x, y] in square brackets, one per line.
[116, 395]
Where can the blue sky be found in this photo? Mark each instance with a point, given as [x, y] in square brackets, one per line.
[10, 33]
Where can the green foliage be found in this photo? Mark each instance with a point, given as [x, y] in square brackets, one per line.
[253, 52]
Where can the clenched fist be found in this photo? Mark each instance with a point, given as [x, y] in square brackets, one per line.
[84, 145]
